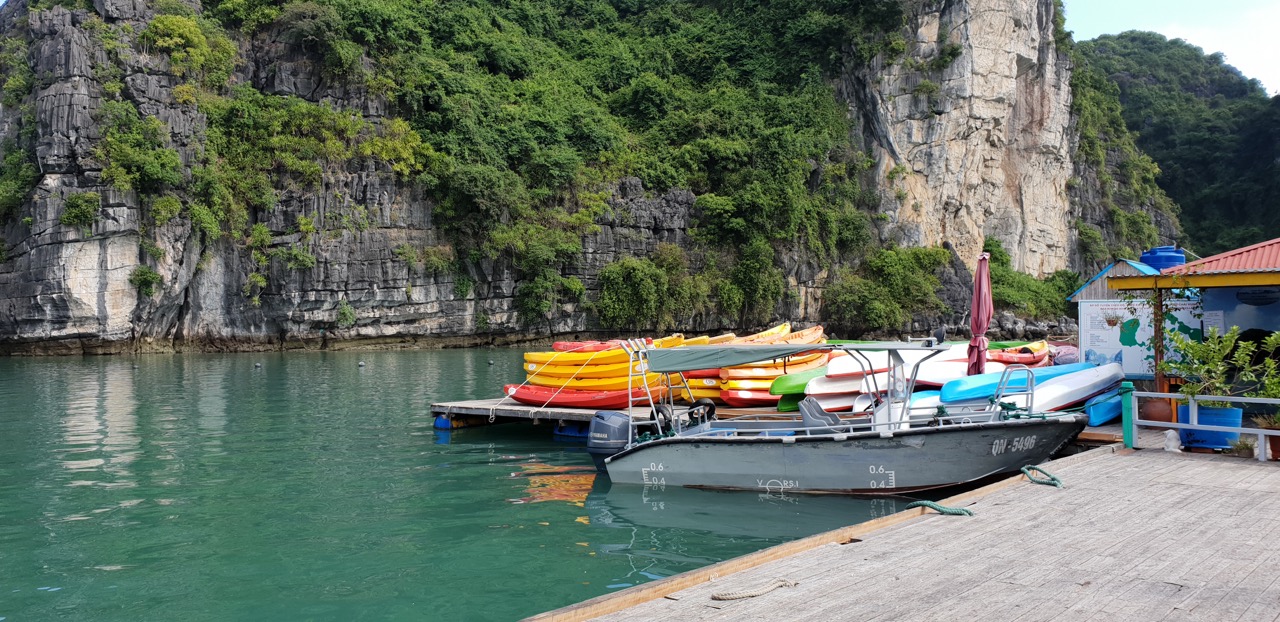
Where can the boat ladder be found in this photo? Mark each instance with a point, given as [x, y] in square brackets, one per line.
[1005, 389]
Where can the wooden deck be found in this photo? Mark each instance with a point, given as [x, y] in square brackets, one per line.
[1134, 535]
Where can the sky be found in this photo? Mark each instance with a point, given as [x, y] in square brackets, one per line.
[1243, 30]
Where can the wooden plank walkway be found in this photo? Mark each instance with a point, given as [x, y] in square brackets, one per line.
[1145, 535]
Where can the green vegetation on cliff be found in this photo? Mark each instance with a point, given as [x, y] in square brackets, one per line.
[1214, 133]
[892, 286]
[1126, 176]
[525, 110]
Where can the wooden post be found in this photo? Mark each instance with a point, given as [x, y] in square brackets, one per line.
[1128, 413]
[1157, 339]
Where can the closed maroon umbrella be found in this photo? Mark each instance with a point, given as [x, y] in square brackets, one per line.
[980, 315]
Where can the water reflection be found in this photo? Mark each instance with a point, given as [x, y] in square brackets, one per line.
[776, 516]
[99, 429]
[570, 484]
[663, 531]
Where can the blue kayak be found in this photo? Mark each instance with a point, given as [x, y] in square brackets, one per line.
[983, 386]
[1103, 408]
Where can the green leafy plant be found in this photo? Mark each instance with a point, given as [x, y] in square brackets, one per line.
[296, 258]
[1024, 293]
[253, 286]
[132, 150]
[1219, 365]
[81, 210]
[196, 47]
[165, 208]
[18, 176]
[346, 314]
[145, 279]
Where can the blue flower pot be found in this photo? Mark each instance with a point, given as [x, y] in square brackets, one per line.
[1210, 415]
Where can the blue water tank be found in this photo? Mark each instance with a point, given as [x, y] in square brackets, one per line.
[1162, 257]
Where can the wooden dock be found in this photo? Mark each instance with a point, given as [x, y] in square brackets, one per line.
[1133, 535]
[470, 413]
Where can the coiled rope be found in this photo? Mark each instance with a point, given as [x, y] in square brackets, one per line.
[1051, 481]
[756, 592]
[939, 508]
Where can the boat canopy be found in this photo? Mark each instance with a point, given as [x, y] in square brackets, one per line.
[666, 360]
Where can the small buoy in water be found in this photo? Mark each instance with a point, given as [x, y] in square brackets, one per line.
[491, 361]
[362, 363]
[257, 364]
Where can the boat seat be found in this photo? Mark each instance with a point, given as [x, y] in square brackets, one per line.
[815, 418]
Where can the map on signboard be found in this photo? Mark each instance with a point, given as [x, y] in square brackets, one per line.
[1116, 331]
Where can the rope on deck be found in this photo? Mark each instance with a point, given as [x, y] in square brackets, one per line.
[1052, 481]
[754, 593]
[939, 508]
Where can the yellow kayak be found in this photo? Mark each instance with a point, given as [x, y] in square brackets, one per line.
[719, 339]
[696, 341]
[603, 357]
[594, 384]
[695, 394]
[795, 360]
[766, 335]
[611, 370]
[735, 373]
[669, 342]
[747, 384]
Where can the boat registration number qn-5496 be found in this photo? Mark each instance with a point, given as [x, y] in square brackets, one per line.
[1017, 443]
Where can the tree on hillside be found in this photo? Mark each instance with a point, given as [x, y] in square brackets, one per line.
[1213, 132]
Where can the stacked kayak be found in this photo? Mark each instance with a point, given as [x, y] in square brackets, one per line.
[750, 385]
[1056, 387]
[852, 382]
[706, 383]
[598, 374]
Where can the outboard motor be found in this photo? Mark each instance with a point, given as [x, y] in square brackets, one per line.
[608, 434]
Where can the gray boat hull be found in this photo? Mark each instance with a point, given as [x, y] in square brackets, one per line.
[862, 463]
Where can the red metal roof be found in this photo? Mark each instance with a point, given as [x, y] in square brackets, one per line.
[1261, 257]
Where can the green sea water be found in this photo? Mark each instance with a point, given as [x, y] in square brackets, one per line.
[303, 486]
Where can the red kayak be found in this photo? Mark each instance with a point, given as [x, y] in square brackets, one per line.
[590, 346]
[744, 398]
[585, 346]
[570, 398]
[703, 373]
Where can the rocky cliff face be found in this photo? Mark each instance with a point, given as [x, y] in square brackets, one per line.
[970, 131]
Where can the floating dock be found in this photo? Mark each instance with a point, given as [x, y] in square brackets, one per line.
[469, 413]
[1133, 534]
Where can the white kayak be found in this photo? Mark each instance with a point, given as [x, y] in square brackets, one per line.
[1052, 394]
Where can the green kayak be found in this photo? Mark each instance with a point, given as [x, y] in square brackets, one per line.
[792, 384]
[790, 403]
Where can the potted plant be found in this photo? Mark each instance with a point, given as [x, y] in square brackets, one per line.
[1216, 366]
[1269, 387]
[1270, 422]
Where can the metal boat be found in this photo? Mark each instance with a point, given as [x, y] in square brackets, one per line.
[889, 448]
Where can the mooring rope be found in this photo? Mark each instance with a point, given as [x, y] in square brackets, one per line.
[494, 407]
[939, 508]
[756, 592]
[1052, 481]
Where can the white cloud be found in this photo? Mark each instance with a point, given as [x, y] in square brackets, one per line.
[1248, 42]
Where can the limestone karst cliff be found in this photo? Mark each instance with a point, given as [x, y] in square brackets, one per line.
[969, 131]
